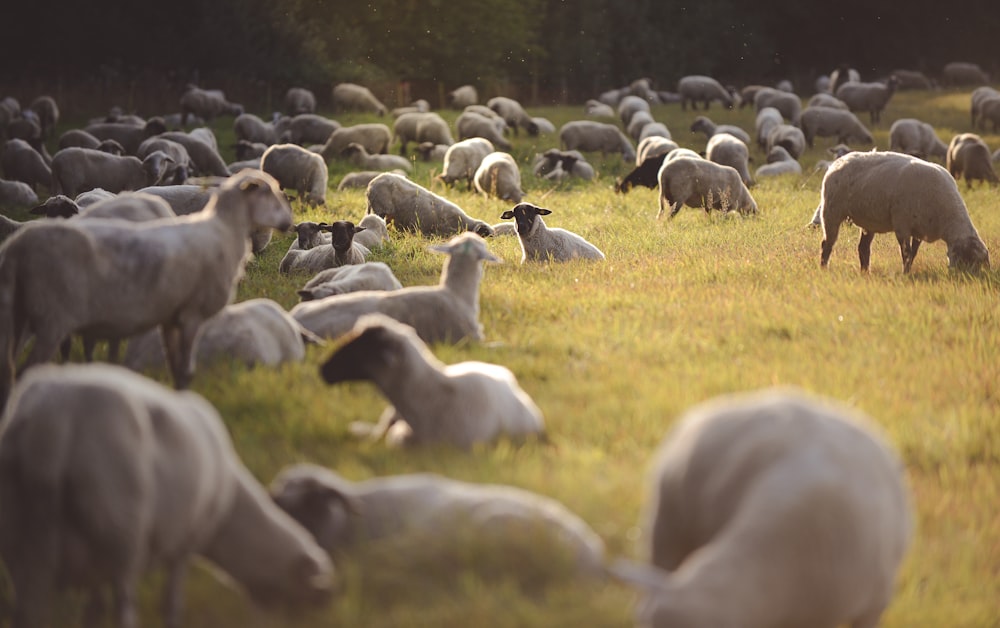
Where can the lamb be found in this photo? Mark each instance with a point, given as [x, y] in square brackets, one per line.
[963, 73]
[827, 122]
[513, 113]
[358, 156]
[779, 162]
[702, 183]
[411, 207]
[374, 137]
[299, 100]
[631, 105]
[438, 520]
[258, 331]
[206, 104]
[462, 97]
[771, 509]
[447, 312]
[370, 276]
[115, 279]
[540, 243]
[16, 194]
[969, 157]
[587, 135]
[298, 169]
[76, 170]
[498, 176]
[421, 127]
[429, 151]
[728, 150]
[361, 179]
[890, 192]
[789, 137]
[308, 128]
[464, 404]
[206, 159]
[913, 137]
[21, 162]
[105, 474]
[870, 97]
[702, 124]
[341, 251]
[597, 109]
[351, 97]
[471, 125]
[705, 89]
[128, 135]
[789, 105]
[463, 159]
[47, 110]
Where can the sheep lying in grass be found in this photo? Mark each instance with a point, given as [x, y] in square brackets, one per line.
[913, 137]
[298, 169]
[351, 97]
[771, 509]
[16, 194]
[539, 243]
[373, 276]
[471, 125]
[891, 192]
[590, 136]
[21, 162]
[828, 122]
[341, 251]
[455, 526]
[447, 312]
[464, 404]
[779, 162]
[411, 207]
[703, 124]
[729, 150]
[463, 158]
[697, 182]
[968, 157]
[357, 155]
[116, 278]
[76, 170]
[870, 97]
[498, 176]
[105, 474]
[695, 89]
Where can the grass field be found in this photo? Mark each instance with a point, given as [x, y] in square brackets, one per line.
[614, 352]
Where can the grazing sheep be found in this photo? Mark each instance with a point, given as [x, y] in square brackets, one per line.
[498, 176]
[828, 122]
[441, 520]
[989, 111]
[779, 162]
[513, 114]
[179, 166]
[204, 157]
[588, 136]
[646, 174]
[884, 192]
[308, 128]
[47, 110]
[702, 124]
[447, 312]
[494, 117]
[771, 509]
[361, 179]
[372, 276]
[298, 169]
[206, 104]
[653, 146]
[870, 97]
[638, 122]
[251, 128]
[471, 125]
[963, 73]
[183, 199]
[299, 100]
[597, 109]
[729, 150]
[421, 127]
[789, 105]
[374, 137]
[105, 474]
[913, 137]
[767, 119]
[969, 157]
[567, 163]
[705, 89]
[76, 170]
[429, 151]
[748, 93]
[411, 207]
[462, 97]
[116, 279]
[544, 125]
[629, 106]
[464, 404]
[912, 79]
[463, 159]
[21, 162]
[351, 97]
[132, 206]
[980, 95]
[824, 99]
[16, 194]
[702, 183]
[357, 155]
[789, 137]
[128, 135]
[341, 251]
[654, 129]
[540, 243]
[613, 96]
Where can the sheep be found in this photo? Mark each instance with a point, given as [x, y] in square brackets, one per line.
[702, 124]
[183, 199]
[308, 128]
[429, 151]
[494, 117]
[789, 105]
[789, 137]
[513, 113]
[748, 93]
[462, 97]
[246, 149]
[911, 79]
[913, 137]
[298, 169]
[779, 162]
[417, 106]
[206, 104]
[989, 111]
[206, 160]
[16, 194]
[439, 520]
[92, 197]
[251, 128]
[647, 174]
[128, 135]
[76, 170]
[823, 99]
[540, 243]
[178, 167]
[843, 74]
[78, 138]
[106, 474]
[206, 135]
[447, 312]
[257, 331]
[702, 183]
[21, 162]
[421, 127]
[48, 114]
[116, 279]
[374, 137]
[639, 120]
[827, 122]
[544, 125]
[463, 159]
[597, 109]
[375, 234]
[299, 100]
[341, 251]
[587, 136]
[28, 127]
[767, 119]
[631, 105]
[962, 73]
[464, 404]
[133, 206]
[870, 97]
[705, 89]
[499, 176]
[653, 146]
[8, 226]
[570, 163]
[823, 165]
[471, 125]
[979, 95]
[369, 276]
[613, 96]
[357, 155]
[890, 192]
[351, 97]
[361, 179]
[771, 509]
[969, 157]
[728, 150]
[411, 207]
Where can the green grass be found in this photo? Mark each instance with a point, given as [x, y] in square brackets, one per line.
[614, 352]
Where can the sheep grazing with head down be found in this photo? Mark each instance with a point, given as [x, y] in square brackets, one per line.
[206, 104]
[913, 137]
[771, 509]
[590, 136]
[789, 137]
[790, 105]
[498, 176]
[296, 168]
[462, 97]
[728, 150]
[870, 97]
[374, 137]
[884, 192]
[513, 114]
[695, 88]
[206, 158]
[472, 125]
[351, 97]
[411, 207]
[829, 122]
[464, 404]
[299, 100]
[968, 157]
[462, 160]
[703, 124]
[308, 128]
[539, 243]
[697, 182]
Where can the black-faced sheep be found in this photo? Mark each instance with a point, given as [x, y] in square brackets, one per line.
[540, 243]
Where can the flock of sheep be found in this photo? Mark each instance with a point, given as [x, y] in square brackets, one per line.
[104, 472]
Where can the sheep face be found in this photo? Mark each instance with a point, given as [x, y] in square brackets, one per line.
[968, 254]
[524, 216]
[343, 234]
[268, 206]
[307, 582]
[365, 351]
[156, 165]
[58, 206]
[319, 507]
[309, 233]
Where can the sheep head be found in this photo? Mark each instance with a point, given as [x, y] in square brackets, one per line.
[524, 216]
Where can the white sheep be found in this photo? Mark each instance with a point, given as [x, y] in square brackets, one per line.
[697, 182]
[566, 163]
[437, 519]
[299, 100]
[498, 176]
[251, 128]
[471, 125]
[76, 170]
[890, 192]
[340, 251]
[462, 97]
[870, 97]
[655, 129]
[128, 135]
[913, 137]
[361, 179]
[630, 105]
[206, 104]
[132, 206]
[464, 404]
[963, 73]
[513, 114]
[771, 509]
[370, 276]
[653, 146]
[463, 158]
[696, 88]
[179, 166]
[823, 99]
[183, 199]
[829, 122]
[106, 474]
[308, 128]
[16, 194]
[421, 127]
[540, 243]
[703, 124]
[779, 162]
[588, 136]
[789, 137]
[119, 278]
[21, 162]
[429, 151]
[544, 125]
[351, 97]
[789, 105]
[206, 159]
[597, 109]
[357, 155]
[374, 137]
[968, 157]
[980, 95]
[411, 207]
[375, 232]
[638, 122]
[298, 169]
[728, 150]
[447, 312]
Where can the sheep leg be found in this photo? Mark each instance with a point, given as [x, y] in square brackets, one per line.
[173, 594]
[865, 248]
[93, 612]
[114, 350]
[65, 348]
[180, 352]
[124, 594]
[908, 251]
[832, 231]
[676, 207]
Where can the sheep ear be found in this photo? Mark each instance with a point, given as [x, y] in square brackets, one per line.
[507, 215]
[541, 211]
[359, 229]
